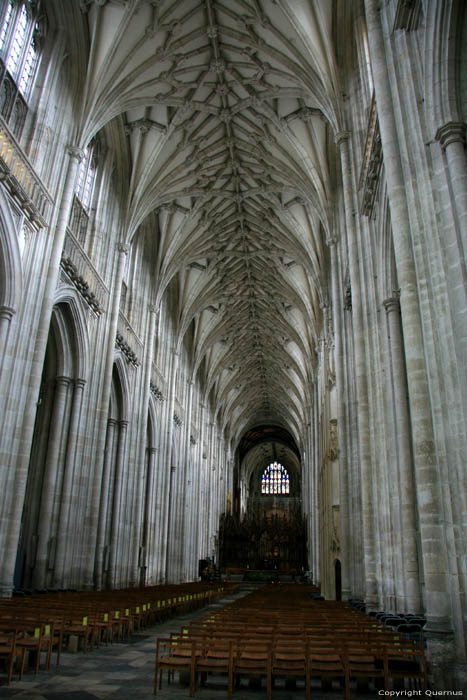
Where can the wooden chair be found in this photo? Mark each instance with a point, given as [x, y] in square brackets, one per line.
[289, 660]
[9, 652]
[408, 663]
[215, 656]
[366, 662]
[252, 657]
[175, 654]
[327, 664]
[36, 638]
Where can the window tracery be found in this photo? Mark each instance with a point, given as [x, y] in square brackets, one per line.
[19, 59]
[275, 480]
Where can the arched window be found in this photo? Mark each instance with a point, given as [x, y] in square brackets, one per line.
[18, 47]
[86, 178]
[19, 58]
[84, 187]
[275, 480]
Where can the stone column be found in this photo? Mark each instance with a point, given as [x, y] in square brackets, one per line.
[315, 492]
[9, 535]
[168, 467]
[452, 139]
[67, 485]
[430, 512]
[371, 589]
[49, 481]
[149, 520]
[201, 467]
[410, 600]
[6, 314]
[115, 535]
[138, 515]
[344, 461]
[104, 500]
[102, 418]
[187, 541]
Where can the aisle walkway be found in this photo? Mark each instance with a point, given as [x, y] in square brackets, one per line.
[125, 671]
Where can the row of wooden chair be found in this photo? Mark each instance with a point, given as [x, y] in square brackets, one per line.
[286, 635]
[37, 625]
[272, 659]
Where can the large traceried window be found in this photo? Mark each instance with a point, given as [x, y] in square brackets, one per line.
[19, 58]
[275, 480]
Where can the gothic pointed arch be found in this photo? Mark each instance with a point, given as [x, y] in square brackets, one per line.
[11, 275]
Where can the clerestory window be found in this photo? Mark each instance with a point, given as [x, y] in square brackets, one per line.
[275, 480]
[19, 58]
[84, 187]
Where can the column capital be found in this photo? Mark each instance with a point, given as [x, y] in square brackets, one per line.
[451, 132]
[80, 383]
[152, 308]
[153, 450]
[123, 424]
[393, 303]
[332, 240]
[7, 312]
[112, 422]
[123, 248]
[75, 153]
[341, 136]
[63, 381]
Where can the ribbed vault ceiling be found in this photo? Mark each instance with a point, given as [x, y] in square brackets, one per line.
[230, 108]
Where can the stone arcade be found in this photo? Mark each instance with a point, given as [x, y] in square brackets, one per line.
[232, 236]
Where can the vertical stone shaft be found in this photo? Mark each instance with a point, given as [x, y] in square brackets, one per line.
[411, 600]
[361, 381]
[102, 416]
[430, 515]
[10, 535]
[141, 460]
[115, 529]
[103, 509]
[50, 478]
[343, 457]
[67, 486]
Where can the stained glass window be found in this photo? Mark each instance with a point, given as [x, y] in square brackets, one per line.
[275, 480]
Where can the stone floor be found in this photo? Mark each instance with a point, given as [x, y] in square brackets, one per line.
[125, 671]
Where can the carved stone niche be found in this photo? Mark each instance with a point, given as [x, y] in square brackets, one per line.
[333, 449]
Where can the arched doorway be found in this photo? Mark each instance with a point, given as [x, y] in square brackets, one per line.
[338, 579]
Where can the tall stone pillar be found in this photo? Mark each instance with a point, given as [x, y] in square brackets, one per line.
[149, 520]
[409, 599]
[343, 457]
[104, 501]
[187, 541]
[141, 463]
[452, 139]
[94, 569]
[169, 469]
[115, 524]
[58, 429]
[361, 382]
[430, 511]
[67, 485]
[16, 479]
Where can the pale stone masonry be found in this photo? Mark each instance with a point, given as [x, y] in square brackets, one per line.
[233, 234]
